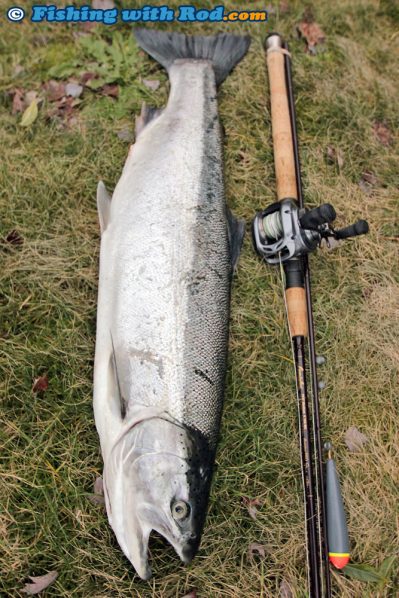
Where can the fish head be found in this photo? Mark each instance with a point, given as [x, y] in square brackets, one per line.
[158, 479]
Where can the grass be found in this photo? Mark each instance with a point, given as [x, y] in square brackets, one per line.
[49, 448]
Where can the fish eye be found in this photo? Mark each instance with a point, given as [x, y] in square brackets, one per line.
[180, 510]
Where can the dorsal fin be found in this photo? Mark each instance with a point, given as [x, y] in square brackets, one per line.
[103, 205]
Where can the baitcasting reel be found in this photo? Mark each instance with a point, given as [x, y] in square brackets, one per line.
[283, 231]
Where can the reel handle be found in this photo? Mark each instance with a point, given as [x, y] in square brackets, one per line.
[360, 227]
[323, 214]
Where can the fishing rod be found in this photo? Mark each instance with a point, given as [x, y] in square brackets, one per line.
[284, 234]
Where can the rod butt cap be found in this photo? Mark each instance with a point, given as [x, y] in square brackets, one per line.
[273, 40]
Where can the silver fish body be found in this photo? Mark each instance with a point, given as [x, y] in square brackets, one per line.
[162, 320]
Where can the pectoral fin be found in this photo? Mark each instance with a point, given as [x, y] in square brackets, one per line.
[236, 230]
[103, 206]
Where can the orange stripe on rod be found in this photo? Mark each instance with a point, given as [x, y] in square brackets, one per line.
[339, 560]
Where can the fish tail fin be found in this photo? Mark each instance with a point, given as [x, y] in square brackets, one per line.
[224, 50]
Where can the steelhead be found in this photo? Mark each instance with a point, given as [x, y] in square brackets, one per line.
[168, 248]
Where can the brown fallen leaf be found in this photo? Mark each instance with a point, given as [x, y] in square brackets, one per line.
[369, 177]
[335, 156]
[251, 504]
[311, 32]
[285, 590]
[284, 7]
[55, 90]
[18, 70]
[112, 91]
[32, 96]
[87, 76]
[152, 84]
[40, 384]
[103, 4]
[14, 238]
[192, 594]
[382, 133]
[63, 109]
[354, 439]
[18, 102]
[39, 583]
[256, 549]
[367, 182]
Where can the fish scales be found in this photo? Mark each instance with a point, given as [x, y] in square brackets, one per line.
[163, 308]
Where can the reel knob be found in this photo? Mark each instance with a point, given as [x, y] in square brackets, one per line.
[360, 227]
[323, 214]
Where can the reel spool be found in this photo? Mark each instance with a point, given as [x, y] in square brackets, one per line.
[283, 231]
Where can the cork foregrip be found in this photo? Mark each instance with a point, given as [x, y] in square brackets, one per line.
[297, 314]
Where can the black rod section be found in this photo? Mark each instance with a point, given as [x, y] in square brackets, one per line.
[298, 343]
[311, 339]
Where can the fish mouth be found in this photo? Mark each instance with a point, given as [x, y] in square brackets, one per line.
[187, 550]
[186, 553]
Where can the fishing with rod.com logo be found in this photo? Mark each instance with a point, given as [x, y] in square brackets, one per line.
[146, 14]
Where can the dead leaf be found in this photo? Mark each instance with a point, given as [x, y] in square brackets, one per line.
[14, 238]
[73, 89]
[367, 181]
[18, 70]
[192, 594]
[87, 76]
[87, 27]
[55, 90]
[103, 4]
[63, 108]
[40, 384]
[126, 134]
[382, 133]
[40, 583]
[335, 156]
[312, 33]
[354, 439]
[30, 115]
[111, 91]
[18, 103]
[251, 504]
[369, 177]
[32, 96]
[152, 84]
[285, 590]
[256, 549]
[284, 7]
